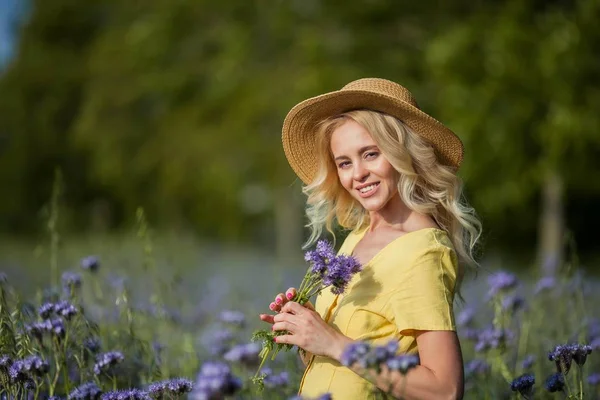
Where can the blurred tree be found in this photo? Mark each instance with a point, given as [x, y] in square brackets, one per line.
[519, 81]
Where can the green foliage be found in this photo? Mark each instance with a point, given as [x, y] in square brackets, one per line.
[177, 106]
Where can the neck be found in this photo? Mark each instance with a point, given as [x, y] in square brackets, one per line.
[396, 215]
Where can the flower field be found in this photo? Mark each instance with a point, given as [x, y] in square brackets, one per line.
[168, 318]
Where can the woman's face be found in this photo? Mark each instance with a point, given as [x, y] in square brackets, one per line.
[362, 169]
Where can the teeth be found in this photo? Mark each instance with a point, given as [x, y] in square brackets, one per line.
[367, 188]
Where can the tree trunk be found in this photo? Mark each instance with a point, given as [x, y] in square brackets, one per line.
[551, 226]
[289, 226]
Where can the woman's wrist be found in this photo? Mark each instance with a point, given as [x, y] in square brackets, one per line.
[338, 347]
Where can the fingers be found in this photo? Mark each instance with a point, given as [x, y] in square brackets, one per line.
[281, 299]
[293, 307]
[267, 318]
[284, 326]
[290, 294]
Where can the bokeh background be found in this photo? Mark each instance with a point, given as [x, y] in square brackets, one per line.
[110, 107]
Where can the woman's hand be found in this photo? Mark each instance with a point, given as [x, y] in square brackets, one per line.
[280, 300]
[308, 331]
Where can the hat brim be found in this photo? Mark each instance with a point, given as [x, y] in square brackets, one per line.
[299, 127]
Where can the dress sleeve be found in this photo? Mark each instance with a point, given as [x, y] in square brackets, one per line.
[424, 296]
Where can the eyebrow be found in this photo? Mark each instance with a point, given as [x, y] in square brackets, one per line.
[360, 151]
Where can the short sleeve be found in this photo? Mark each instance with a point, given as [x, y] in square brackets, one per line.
[423, 299]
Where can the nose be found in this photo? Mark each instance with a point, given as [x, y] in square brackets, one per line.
[360, 173]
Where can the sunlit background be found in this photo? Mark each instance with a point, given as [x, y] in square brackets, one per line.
[148, 134]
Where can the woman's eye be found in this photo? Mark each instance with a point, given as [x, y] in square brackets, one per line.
[343, 164]
[371, 154]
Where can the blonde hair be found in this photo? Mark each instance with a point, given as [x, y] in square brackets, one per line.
[425, 185]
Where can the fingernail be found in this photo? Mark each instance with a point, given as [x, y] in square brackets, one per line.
[278, 300]
[272, 306]
[272, 328]
[275, 339]
[289, 296]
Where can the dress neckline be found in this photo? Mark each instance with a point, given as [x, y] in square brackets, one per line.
[360, 234]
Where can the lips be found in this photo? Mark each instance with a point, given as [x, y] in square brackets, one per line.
[366, 187]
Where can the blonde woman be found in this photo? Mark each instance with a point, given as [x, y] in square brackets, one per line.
[375, 164]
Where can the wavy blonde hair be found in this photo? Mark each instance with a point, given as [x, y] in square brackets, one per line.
[425, 185]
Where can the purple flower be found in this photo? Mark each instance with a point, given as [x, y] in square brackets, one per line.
[90, 263]
[528, 362]
[512, 303]
[340, 273]
[215, 380]
[320, 258]
[5, 363]
[555, 383]
[106, 360]
[273, 380]
[71, 279]
[403, 363]
[593, 379]
[85, 391]
[501, 281]
[92, 344]
[595, 344]
[65, 309]
[3, 278]
[524, 385]
[218, 342]
[491, 338]
[127, 394]
[465, 317]
[563, 355]
[477, 367]
[175, 386]
[545, 283]
[46, 310]
[235, 318]
[355, 352]
[245, 354]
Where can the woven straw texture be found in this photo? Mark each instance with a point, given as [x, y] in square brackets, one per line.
[368, 93]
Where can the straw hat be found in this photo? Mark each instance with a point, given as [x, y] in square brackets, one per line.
[368, 93]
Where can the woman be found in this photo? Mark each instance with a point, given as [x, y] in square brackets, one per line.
[375, 164]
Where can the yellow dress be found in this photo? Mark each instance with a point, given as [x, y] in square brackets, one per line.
[408, 285]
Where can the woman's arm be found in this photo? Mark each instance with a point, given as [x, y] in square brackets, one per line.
[439, 375]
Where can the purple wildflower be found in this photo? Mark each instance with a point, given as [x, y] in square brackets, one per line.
[85, 391]
[403, 363]
[491, 338]
[563, 355]
[106, 360]
[126, 394]
[595, 344]
[218, 342]
[512, 303]
[355, 352]
[175, 386]
[527, 362]
[3, 278]
[593, 379]
[5, 363]
[340, 273]
[65, 309]
[544, 284]
[465, 317]
[215, 380]
[477, 367]
[235, 318]
[46, 310]
[245, 354]
[321, 257]
[90, 263]
[524, 385]
[92, 344]
[555, 382]
[470, 333]
[23, 370]
[71, 279]
[501, 281]
[273, 380]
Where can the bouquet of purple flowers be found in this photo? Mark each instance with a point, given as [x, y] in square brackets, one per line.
[327, 270]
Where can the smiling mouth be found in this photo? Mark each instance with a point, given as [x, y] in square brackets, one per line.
[367, 189]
